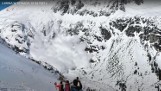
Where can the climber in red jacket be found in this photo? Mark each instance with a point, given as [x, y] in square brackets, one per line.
[67, 86]
[59, 86]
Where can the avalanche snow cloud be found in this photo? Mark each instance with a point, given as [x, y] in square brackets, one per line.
[111, 45]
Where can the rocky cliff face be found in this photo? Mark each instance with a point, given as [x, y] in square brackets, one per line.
[97, 7]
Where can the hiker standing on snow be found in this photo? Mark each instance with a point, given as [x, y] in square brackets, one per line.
[67, 86]
[79, 84]
[60, 86]
[56, 86]
[74, 86]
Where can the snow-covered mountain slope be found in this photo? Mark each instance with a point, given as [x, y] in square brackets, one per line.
[125, 54]
[114, 49]
[41, 37]
[18, 73]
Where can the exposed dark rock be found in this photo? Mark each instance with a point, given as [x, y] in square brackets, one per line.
[13, 30]
[46, 66]
[91, 49]
[150, 32]
[18, 50]
[122, 85]
[98, 38]
[64, 6]
[103, 47]
[136, 63]
[76, 29]
[119, 24]
[53, 35]
[73, 2]
[135, 72]
[149, 57]
[75, 6]
[157, 47]
[91, 61]
[128, 1]
[105, 33]
[132, 29]
[159, 74]
[79, 5]
[73, 31]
